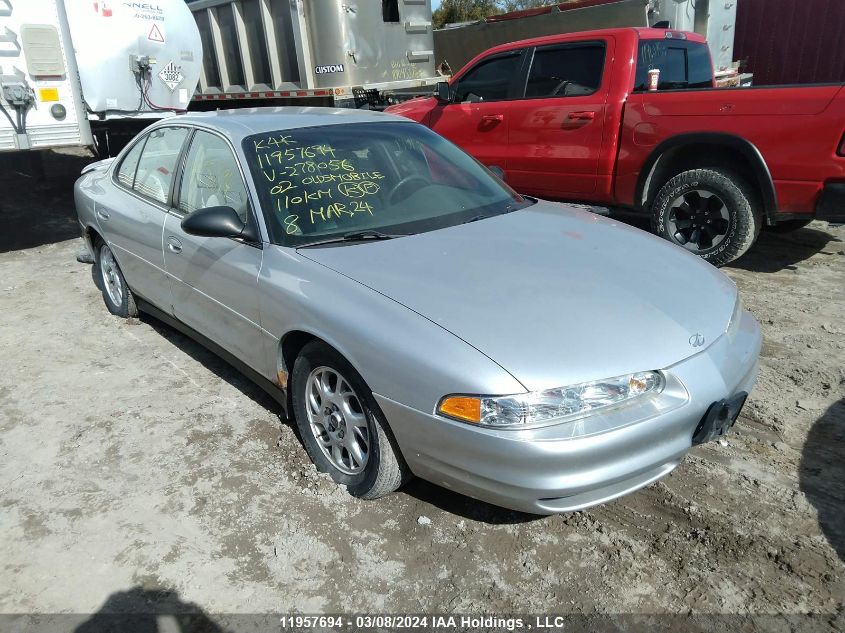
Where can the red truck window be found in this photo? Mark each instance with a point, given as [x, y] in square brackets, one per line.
[682, 64]
[564, 71]
[490, 80]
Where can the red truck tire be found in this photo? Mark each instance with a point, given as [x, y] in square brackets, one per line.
[712, 212]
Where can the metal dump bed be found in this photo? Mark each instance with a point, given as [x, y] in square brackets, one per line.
[295, 49]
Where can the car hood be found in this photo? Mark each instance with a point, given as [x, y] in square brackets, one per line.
[554, 295]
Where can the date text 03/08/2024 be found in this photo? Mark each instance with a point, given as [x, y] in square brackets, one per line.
[426, 622]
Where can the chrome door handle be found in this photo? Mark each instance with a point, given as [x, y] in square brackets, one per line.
[174, 244]
[102, 214]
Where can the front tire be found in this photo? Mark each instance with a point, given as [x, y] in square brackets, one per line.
[341, 425]
[710, 212]
[116, 293]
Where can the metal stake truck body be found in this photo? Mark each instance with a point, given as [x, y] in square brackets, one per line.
[92, 72]
[323, 52]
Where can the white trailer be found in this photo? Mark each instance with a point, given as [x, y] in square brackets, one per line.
[92, 72]
[41, 102]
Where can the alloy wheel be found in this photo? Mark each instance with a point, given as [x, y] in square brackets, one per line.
[111, 276]
[698, 220]
[337, 420]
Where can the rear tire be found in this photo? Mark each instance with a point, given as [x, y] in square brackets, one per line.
[341, 425]
[711, 212]
[110, 280]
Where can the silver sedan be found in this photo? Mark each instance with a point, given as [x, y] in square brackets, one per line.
[413, 314]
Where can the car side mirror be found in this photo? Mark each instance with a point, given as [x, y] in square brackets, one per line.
[443, 93]
[218, 222]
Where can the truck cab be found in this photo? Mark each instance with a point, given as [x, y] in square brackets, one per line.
[614, 116]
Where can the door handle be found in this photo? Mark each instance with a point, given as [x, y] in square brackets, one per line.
[492, 118]
[586, 115]
[174, 244]
[103, 215]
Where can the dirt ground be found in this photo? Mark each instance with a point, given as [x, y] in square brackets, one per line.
[137, 469]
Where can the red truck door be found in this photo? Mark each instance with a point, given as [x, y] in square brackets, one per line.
[477, 117]
[556, 129]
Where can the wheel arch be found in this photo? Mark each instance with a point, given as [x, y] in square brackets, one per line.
[706, 149]
[91, 235]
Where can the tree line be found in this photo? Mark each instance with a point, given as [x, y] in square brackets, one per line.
[451, 11]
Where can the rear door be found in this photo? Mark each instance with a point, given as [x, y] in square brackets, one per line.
[477, 117]
[132, 219]
[214, 279]
[557, 125]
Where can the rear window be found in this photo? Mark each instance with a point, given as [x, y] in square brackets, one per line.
[682, 64]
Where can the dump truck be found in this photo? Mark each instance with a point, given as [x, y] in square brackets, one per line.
[293, 52]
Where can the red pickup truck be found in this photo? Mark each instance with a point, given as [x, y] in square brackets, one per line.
[572, 117]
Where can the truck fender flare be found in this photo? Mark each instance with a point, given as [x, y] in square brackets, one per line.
[744, 147]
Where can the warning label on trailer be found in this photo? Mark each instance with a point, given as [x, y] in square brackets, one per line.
[171, 75]
[155, 34]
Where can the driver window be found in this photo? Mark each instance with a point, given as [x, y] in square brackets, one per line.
[567, 71]
[212, 177]
[490, 80]
[158, 162]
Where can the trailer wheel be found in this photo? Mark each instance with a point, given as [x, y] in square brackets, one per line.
[711, 212]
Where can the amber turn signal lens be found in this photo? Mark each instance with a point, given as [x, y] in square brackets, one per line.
[461, 407]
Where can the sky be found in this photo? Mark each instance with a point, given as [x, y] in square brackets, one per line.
[435, 4]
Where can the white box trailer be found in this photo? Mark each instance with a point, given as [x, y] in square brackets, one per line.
[41, 102]
[346, 53]
[92, 72]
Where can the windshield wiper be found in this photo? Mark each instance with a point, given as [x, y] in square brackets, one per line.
[484, 216]
[355, 236]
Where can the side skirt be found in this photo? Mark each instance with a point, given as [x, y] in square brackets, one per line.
[273, 390]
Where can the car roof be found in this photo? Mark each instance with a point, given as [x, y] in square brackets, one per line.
[246, 121]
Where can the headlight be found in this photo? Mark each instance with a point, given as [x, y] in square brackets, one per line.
[551, 406]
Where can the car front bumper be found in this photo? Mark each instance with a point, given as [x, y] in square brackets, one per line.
[575, 465]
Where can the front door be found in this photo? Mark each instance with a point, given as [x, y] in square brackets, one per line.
[214, 280]
[477, 116]
[556, 130]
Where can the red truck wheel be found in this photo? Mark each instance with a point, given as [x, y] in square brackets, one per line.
[710, 212]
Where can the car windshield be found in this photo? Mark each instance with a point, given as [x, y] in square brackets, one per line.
[383, 179]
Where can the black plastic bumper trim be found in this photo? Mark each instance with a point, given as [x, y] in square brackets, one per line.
[831, 206]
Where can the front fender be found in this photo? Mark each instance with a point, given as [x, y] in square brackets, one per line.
[399, 353]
